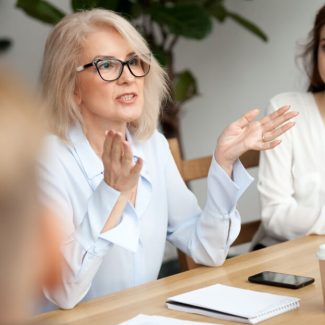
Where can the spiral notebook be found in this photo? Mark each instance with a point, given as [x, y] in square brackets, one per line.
[159, 320]
[230, 303]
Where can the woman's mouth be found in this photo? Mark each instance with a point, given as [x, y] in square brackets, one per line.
[126, 98]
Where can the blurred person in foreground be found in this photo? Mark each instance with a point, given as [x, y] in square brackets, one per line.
[110, 174]
[28, 244]
[291, 177]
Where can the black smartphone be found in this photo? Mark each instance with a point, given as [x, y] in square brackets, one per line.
[281, 279]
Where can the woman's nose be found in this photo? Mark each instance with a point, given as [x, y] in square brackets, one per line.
[126, 75]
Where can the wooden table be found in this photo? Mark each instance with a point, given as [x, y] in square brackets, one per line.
[296, 256]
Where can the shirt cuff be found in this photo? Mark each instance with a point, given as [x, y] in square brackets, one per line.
[99, 207]
[224, 191]
[126, 234]
[241, 177]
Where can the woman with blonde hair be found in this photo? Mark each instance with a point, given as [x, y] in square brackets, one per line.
[110, 174]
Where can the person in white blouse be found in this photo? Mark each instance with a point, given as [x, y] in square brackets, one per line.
[291, 177]
[110, 174]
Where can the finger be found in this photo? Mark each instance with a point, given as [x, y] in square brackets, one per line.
[278, 121]
[270, 136]
[127, 157]
[137, 167]
[108, 141]
[270, 145]
[247, 118]
[282, 110]
[270, 117]
[116, 151]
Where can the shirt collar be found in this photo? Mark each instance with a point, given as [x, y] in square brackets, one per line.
[91, 163]
[88, 159]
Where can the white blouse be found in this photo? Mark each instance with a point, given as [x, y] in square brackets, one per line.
[130, 254]
[292, 176]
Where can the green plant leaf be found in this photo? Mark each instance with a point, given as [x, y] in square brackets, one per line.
[128, 8]
[190, 21]
[185, 86]
[84, 4]
[196, 2]
[160, 54]
[5, 43]
[135, 11]
[41, 10]
[124, 7]
[218, 11]
[250, 26]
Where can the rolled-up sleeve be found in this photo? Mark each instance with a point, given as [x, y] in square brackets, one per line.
[207, 234]
[223, 191]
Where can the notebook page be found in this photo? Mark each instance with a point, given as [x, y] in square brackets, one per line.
[235, 301]
[159, 320]
[205, 312]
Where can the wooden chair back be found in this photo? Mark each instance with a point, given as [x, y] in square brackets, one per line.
[198, 168]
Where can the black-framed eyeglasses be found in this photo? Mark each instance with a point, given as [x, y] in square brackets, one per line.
[111, 69]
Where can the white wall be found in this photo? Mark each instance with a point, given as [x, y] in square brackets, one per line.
[235, 70]
[28, 35]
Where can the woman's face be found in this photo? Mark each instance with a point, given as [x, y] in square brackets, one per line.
[321, 54]
[108, 103]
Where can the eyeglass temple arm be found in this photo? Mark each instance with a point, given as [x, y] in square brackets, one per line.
[83, 67]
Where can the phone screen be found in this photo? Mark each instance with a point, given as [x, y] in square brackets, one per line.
[281, 279]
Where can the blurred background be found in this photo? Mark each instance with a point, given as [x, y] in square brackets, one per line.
[235, 71]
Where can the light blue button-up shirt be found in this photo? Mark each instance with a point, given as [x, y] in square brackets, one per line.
[130, 254]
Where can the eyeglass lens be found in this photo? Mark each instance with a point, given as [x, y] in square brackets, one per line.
[111, 69]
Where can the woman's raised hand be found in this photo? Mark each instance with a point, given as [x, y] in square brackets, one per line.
[248, 134]
[120, 172]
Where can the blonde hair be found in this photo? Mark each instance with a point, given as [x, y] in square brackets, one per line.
[61, 57]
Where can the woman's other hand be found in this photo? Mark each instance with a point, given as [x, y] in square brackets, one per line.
[120, 172]
[248, 134]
